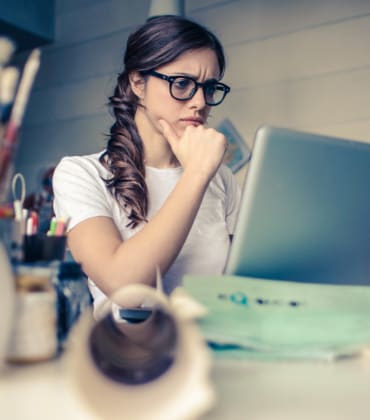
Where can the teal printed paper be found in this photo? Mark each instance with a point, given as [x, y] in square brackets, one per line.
[277, 319]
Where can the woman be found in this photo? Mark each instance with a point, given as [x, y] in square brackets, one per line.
[158, 196]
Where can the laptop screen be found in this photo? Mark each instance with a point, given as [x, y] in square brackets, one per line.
[305, 210]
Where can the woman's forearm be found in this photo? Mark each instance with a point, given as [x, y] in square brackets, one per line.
[111, 263]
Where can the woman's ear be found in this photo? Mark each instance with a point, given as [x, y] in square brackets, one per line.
[137, 83]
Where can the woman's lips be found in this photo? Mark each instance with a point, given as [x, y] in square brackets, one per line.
[192, 121]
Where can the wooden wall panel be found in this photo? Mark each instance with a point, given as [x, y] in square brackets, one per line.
[291, 63]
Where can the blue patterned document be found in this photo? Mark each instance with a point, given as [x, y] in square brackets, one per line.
[268, 319]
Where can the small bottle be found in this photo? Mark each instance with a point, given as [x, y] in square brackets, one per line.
[73, 297]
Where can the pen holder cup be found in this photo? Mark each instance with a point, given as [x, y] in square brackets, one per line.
[44, 248]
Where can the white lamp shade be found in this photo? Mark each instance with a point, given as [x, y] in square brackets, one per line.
[166, 7]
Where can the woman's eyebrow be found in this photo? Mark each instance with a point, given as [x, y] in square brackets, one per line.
[191, 76]
[213, 80]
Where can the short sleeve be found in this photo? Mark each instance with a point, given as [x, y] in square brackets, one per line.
[232, 197]
[79, 190]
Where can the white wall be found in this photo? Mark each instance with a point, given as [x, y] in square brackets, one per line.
[301, 64]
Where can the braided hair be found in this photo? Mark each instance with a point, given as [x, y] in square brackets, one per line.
[157, 42]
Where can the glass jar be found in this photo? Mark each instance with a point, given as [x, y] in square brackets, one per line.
[34, 331]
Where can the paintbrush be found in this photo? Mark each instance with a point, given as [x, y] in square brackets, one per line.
[8, 83]
[7, 47]
[28, 76]
[11, 131]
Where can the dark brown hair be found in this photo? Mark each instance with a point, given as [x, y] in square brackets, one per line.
[157, 42]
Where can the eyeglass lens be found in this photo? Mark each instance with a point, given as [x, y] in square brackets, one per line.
[184, 88]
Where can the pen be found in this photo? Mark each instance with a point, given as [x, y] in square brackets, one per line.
[29, 226]
[60, 227]
[52, 227]
[32, 223]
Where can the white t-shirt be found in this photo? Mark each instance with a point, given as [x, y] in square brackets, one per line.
[80, 193]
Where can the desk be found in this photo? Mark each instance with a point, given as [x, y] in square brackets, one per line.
[246, 390]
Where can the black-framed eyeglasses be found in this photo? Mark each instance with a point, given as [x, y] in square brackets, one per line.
[184, 88]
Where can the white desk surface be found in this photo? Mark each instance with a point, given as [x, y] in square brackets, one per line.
[246, 390]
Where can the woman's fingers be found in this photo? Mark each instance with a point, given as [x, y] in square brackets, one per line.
[199, 148]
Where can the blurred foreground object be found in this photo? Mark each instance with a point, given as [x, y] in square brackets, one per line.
[7, 294]
[143, 352]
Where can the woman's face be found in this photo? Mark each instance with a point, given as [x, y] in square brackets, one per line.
[201, 65]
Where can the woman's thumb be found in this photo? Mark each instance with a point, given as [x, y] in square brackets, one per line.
[168, 132]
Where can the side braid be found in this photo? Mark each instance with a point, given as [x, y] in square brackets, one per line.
[123, 156]
[158, 41]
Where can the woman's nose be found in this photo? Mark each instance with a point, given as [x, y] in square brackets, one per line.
[198, 99]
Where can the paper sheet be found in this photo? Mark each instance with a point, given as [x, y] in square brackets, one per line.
[276, 319]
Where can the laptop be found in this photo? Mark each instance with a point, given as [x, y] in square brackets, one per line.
[305, 210]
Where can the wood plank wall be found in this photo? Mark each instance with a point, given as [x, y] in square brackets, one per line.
[294, 63]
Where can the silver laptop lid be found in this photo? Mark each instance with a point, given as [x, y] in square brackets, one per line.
[305, 211]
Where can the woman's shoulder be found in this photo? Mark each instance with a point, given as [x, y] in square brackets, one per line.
[81, 164]
[224, 177]
[225, 171]
[88, 160]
